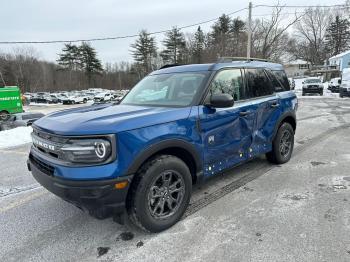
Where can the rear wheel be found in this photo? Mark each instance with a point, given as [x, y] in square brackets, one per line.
[4, 115]
[282, 145]
[303, 94]
[160, 193]
[85, 101]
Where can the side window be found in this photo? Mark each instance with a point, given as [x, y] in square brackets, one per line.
[277, 85]
[228, 82]
[282, 78]
[258, 84]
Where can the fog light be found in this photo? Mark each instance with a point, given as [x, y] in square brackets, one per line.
[121, 185]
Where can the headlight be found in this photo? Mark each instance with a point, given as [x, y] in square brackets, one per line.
[87, 150]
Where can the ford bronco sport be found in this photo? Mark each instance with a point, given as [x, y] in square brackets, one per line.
[178, 126]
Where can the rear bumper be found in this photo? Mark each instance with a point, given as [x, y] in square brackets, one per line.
[99, 197]
[344, 92]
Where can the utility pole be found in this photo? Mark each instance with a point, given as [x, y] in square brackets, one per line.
[249, 42]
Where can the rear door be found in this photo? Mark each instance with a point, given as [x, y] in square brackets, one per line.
[226, 132]
[262, 92]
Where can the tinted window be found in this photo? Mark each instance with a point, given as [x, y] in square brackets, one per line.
[258, 84]
[282, 78]
[228, 82]
[277, 85]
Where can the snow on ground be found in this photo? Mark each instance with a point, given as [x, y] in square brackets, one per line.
[15, 137]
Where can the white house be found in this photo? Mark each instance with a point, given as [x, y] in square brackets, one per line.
[340, 61]
[296, 67]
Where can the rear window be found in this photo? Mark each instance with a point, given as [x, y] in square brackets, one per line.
[282, 79]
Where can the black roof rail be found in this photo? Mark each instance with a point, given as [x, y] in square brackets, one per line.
[169, 65]
[227, 59]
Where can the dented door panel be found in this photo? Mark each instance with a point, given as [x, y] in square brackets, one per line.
[226, 135]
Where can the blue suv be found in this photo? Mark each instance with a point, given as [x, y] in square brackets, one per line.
[178, 126]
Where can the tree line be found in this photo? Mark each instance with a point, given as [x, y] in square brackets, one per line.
[313, 35]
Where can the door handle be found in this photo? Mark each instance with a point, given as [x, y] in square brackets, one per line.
[244, 113]
[274, 105]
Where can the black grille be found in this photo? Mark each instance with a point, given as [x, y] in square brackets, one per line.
[43, 167]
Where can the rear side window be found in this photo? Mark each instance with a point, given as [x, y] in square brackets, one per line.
[258, 84]
[282, 78]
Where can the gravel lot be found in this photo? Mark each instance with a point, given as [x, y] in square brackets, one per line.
[299, 211]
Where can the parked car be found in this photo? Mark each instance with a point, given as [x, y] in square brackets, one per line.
[23, 119]
[334, 85]
[103, 97]
[143, 155]
[75, 99]
[312, 85]
[344, 89]
[10, 102]
[291, 83]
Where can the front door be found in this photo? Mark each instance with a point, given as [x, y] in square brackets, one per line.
[226, 132]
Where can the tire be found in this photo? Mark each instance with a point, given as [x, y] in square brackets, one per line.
[275, 156]
[321, 94]
[140, 200]
[303, 94]
[85, 101]
[4, 115]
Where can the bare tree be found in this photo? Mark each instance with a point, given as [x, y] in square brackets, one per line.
[311, 33]
[269, 36]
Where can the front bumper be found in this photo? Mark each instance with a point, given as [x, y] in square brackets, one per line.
[99, 197]
[312, 90]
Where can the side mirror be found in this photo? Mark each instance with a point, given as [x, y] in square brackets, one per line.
[221, 101]
[303, 82]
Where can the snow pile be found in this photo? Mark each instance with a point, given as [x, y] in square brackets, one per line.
[15, 137]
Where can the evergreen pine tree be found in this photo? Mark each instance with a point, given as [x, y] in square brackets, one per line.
[175, 47]
[239, 37]
[338, 36]
[89, 61]
[144, 51]
[70, 57]
[198, 48]
[221, 36]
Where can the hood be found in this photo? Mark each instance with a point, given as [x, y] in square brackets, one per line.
[108, 119]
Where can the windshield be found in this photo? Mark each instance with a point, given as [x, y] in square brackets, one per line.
[307, 81]
[177, 89]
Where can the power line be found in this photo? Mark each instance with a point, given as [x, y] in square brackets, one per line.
[116, 37]
[167, 30]
[302, 6]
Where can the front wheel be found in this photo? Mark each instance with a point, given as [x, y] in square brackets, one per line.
[160, 193]
[282, 145]
[4, 116]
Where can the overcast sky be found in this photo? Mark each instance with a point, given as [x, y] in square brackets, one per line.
[35, 20]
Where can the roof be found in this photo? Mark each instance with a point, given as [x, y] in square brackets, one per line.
[298, 62]
[340, 55]
[218, 66]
